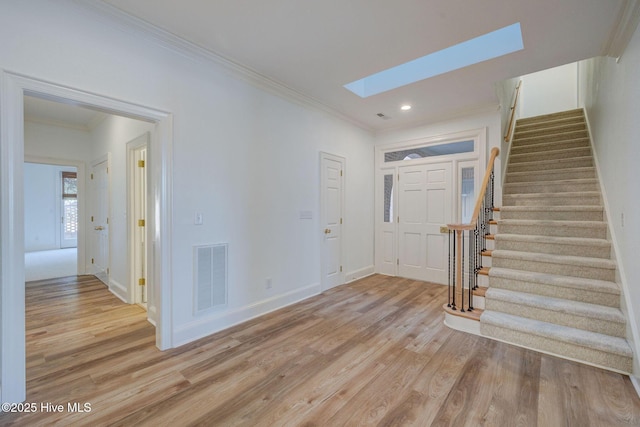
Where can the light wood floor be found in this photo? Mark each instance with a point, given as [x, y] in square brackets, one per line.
[374, 352]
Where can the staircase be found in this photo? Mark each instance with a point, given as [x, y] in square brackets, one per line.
[552, 280]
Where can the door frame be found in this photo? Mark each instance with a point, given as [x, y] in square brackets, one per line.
[328, 156]
[13, 88]
[478, 155]
[82, 193]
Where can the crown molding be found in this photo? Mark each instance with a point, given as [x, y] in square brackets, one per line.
[626, 25]
[121, 20]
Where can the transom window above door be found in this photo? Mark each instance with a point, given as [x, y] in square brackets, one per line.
[431, 150]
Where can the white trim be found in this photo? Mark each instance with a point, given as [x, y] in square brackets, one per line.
[82, 197]
[636, 384]
[206, 326]
[623, 29]
[359, 274]
[12, 324]
[119, 290]
[621, 275]
[462, 324]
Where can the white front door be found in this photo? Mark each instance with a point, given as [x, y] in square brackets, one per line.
[424, 206]
[331, 218]
[100, 221]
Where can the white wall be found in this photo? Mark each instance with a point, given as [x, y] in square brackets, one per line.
[549, 91]
[56, 142]
[611, 96]
[246, 159]
[42, 206]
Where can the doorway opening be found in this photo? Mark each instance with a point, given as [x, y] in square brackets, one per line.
[12, 130]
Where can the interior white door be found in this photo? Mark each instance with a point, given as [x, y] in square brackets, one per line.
[100, 221]
[424, 205]
[140, 217]
[332, 199]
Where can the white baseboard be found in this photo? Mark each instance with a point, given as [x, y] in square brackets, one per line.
[118, 290]
[462, 324]
[636, 383]
[359, 274]
[225, 319]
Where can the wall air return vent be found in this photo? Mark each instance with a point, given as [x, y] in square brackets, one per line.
[210, 277]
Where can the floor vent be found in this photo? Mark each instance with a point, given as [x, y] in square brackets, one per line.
[210, 277]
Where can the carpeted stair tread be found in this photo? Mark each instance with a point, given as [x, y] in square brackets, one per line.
[559, 186]
[578, 261]
[576, 112]
[576, 246]
[554, 213]
[602, 342]
[552, 175]
[585, 198]
[546, 135]
[541, 124]
[577, 283]
[566, 153]
[535, 147]
[535, 165]
[593, 311]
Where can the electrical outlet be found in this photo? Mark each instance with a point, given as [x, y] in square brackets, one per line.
[268, 283]
[622, 219]
[197, 218]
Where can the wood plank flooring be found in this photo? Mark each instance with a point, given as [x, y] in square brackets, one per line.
[374, 352]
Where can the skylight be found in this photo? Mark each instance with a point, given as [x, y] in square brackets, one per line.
[482, 48]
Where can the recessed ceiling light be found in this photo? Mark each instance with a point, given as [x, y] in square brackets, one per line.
[482, 48]
[405, 107]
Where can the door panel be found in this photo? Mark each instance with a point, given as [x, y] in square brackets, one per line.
[424, 206]
[100, 222]
[331, 190]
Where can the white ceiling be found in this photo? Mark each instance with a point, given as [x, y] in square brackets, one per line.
[61, 114]
[315, 47]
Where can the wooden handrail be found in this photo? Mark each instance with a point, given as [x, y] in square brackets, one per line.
[483, 188]
[507, 137]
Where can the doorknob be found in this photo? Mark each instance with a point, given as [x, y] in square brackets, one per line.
[327, 230]
[98, 228]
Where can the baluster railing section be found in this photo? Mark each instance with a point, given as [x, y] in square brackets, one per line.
[463, 272]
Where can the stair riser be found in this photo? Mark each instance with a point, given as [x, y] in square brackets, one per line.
[551, 176]
[577, 113]
[549, 130]
[555, 249]
[542, 215]
[552, 201]
[591, 232]
[577, 352]
[559, 145]
[519, 140]
[585, 272]
[554, 291]
[571, 320]
[545, 187]
[550, 155]
[541, 167]
[551, 123]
